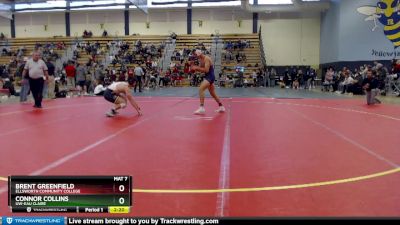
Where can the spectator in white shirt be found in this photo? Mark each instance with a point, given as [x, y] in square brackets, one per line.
[348, 83]
[154, 64]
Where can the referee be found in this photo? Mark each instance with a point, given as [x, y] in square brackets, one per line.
[37, 75]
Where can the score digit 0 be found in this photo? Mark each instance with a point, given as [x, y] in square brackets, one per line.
[121, 201]
[121, 188]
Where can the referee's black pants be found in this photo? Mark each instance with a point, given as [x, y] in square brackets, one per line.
[37, 90]
[138, 83]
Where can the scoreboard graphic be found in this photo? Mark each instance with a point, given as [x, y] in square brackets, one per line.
[75, 194]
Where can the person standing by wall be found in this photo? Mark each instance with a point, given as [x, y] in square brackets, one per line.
[99, 74]
[161, 79]
[138, 73]
[51, 83]
[71, 72]
[81, 78]
[23, 97]
[37, 70]
[272, 77]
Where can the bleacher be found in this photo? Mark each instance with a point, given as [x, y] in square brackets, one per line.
[29, 44]
[145, 39]
[252, 54]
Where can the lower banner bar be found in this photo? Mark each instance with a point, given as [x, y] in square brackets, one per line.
[137, 221]
[219, 221]
[187, 221]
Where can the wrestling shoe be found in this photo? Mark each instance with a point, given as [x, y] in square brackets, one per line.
[221, 109]
[111, 113]
[200, 111]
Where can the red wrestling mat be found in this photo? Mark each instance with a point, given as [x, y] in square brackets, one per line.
[263, 157]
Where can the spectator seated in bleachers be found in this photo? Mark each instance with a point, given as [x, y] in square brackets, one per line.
[240, 57]
[381, 74]
[6, 51]
[20, 53]
[167, 77]
[61, 45]
[48, 51]
[238, 45]
[105, 34]
[329, 79]
[138, 43]
[179, 55]
[346, 81]
[173, 36]
[7, 83]
[221, 79]
[75, 55]
[357, 84]
[228, 45]
[227, 55]
[195, 79]
[38, 46]
[347, 85]
[153, 79]
[13, 61]
[286, 80]
[87, 34]
[393, 81]
[260, 79]
[229, 81]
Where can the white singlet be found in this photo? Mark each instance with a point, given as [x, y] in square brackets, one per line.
[113, 86]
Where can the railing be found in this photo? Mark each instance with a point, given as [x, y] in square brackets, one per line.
[260, 40]
[213, 49]
[4, 43]
[111, 53]
[216, 52]
[66, 56]
[168, 50]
